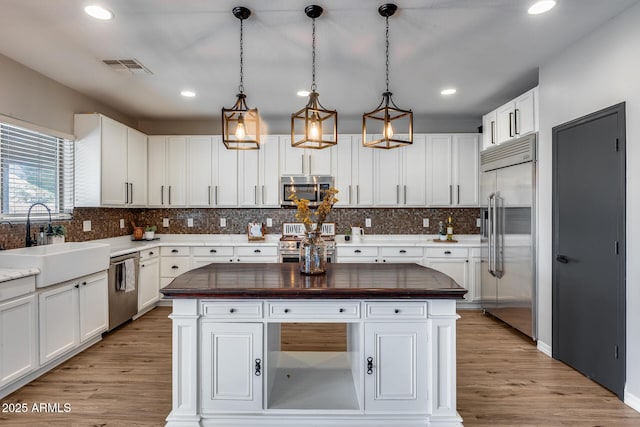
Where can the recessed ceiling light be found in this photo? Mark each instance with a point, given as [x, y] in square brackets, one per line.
[541, 6]
[188, 93]
[303, 93]
[98, 12]
[449, 91]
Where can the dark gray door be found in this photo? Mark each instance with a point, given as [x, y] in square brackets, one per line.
[588, 241]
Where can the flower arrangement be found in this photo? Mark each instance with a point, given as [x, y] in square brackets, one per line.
[309, 218]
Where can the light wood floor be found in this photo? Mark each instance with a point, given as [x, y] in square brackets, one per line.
[125, 381]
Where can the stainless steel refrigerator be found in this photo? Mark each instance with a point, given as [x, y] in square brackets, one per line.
[508, 195]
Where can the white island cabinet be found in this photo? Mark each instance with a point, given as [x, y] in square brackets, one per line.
[231, 366]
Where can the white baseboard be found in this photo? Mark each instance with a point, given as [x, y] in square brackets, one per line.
[545, 348]
[632, 401]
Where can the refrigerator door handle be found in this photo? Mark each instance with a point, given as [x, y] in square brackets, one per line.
[497, 238]
[490, 233]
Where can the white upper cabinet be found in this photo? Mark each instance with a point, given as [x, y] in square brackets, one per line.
[225, 175]
[414, 172]
[167, 181]
[110, 163]
[157, 170]
[342, 168]
[199, 171]
[387, 165]
[453, 170]
[516, 118]
[269, 171]
[300, 161]
[362, 177]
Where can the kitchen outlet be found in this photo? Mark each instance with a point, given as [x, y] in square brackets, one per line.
[367, 222]
[478, 222]
[121, 222]
[189, 222]
[425, 222]
[223, 222]
[86, 225]
[269, 222]
[165, 222]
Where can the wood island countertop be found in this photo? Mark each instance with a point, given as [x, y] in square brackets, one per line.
[341, 281]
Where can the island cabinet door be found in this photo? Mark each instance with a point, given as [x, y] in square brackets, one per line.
[232, 368]
[395, 367]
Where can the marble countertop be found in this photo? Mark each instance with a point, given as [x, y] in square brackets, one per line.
[7, 274]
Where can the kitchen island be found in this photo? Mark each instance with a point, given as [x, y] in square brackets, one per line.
[398, 367]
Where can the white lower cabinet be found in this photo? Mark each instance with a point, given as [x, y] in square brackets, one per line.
[148, 282]
[72, 313]
[396, 367]
[456, 268]
[18, 338]
[231, 359]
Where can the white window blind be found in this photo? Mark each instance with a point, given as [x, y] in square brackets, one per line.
[34, 167]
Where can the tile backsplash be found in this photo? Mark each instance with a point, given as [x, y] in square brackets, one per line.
[105, 222]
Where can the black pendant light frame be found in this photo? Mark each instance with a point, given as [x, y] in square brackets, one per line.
[240, 114]
[314, 114]
[387, 112]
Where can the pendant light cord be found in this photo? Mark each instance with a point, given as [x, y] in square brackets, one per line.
[313, 55]
[387, 51]
[241, 87]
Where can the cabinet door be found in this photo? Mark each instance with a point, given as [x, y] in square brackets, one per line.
[525, 113]
[148, 283]
[157, 169]
[395, 367]
[466, 170]
[414, 172]
[114, 162]
[475, 277]
[199, 171]
[18, 339]
[489, 130]
[342, 165]
[362, 184]
[505, 122]
[269, 190]
[387, 177]
[456, 268]
[58, 321]
[177, 171]
[291, 158]
[137, 167]
[225, 192]
[248, 178]
[94, 306]
[439, 185]
[318, 161]
[232, 369]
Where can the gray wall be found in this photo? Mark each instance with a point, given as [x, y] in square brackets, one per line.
[598, 71]
[31, 97]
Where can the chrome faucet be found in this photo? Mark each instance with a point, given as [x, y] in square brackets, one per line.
[28, 240]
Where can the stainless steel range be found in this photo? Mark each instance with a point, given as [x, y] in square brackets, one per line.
[292, 233]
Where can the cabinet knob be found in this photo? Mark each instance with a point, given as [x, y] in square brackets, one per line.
[447, 252]
[286, 310]
[396, 311]
[141, 265]
[232, 310]
[213, 251]
[257, 251]
[77, 286]
[174, 251]
[150, 253]
[84, 283]
[341, 310]
[175, 267]
[231, 260]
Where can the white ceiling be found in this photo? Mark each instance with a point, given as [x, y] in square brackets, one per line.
[489, 50]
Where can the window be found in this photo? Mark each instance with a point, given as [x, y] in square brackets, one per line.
[34, 167]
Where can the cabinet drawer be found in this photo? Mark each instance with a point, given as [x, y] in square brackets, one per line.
[400, 251]
[314, 311]
[173, 267]
[16, 287]
[359, 251]
[392, 310]
[211, 251]
[231, 310]
[174, 251]
[447, 252]
[149, 253]
[257, 251]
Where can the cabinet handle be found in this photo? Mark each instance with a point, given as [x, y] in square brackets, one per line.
[516, 117]
[162, 194]
[263, 195]
[405, 194]
[213, 251]
[510, 124]
[232, 310]
[286, 310]
[447, 252]
[169, 194]
[450, 194]
[258, 367]
[209, 193]
[458, 194]
[126, 193]
[309, 161]
[255, 194]
[397, 194]
[358, 194]
[175, 267]
[349, 194]
[131, 192]
[174, 251]
[369, 365]
[257, 251]
[402, 251]
[493, 132]
[357, 251]
[302, 163]
[396, 311]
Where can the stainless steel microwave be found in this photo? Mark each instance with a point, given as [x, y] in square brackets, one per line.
[312, 188]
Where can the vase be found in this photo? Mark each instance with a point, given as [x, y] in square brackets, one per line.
[313, 254]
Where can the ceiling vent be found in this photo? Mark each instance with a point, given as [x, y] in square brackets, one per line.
[130, 65]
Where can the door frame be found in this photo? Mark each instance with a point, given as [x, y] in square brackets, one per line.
[619, 110]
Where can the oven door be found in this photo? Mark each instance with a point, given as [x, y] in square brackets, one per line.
[290, 258]
[302, 191]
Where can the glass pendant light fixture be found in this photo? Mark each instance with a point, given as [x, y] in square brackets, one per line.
[314, 126]
[241, 124]
[387, 126]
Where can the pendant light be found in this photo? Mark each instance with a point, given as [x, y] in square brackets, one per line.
[241, 124]
[314, 126]
[388, 126]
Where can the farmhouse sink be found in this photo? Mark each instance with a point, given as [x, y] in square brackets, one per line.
[60, 262]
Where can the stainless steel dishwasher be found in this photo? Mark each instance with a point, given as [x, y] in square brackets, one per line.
[123, 297]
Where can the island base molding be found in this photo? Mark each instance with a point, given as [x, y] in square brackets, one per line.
[266, 420]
